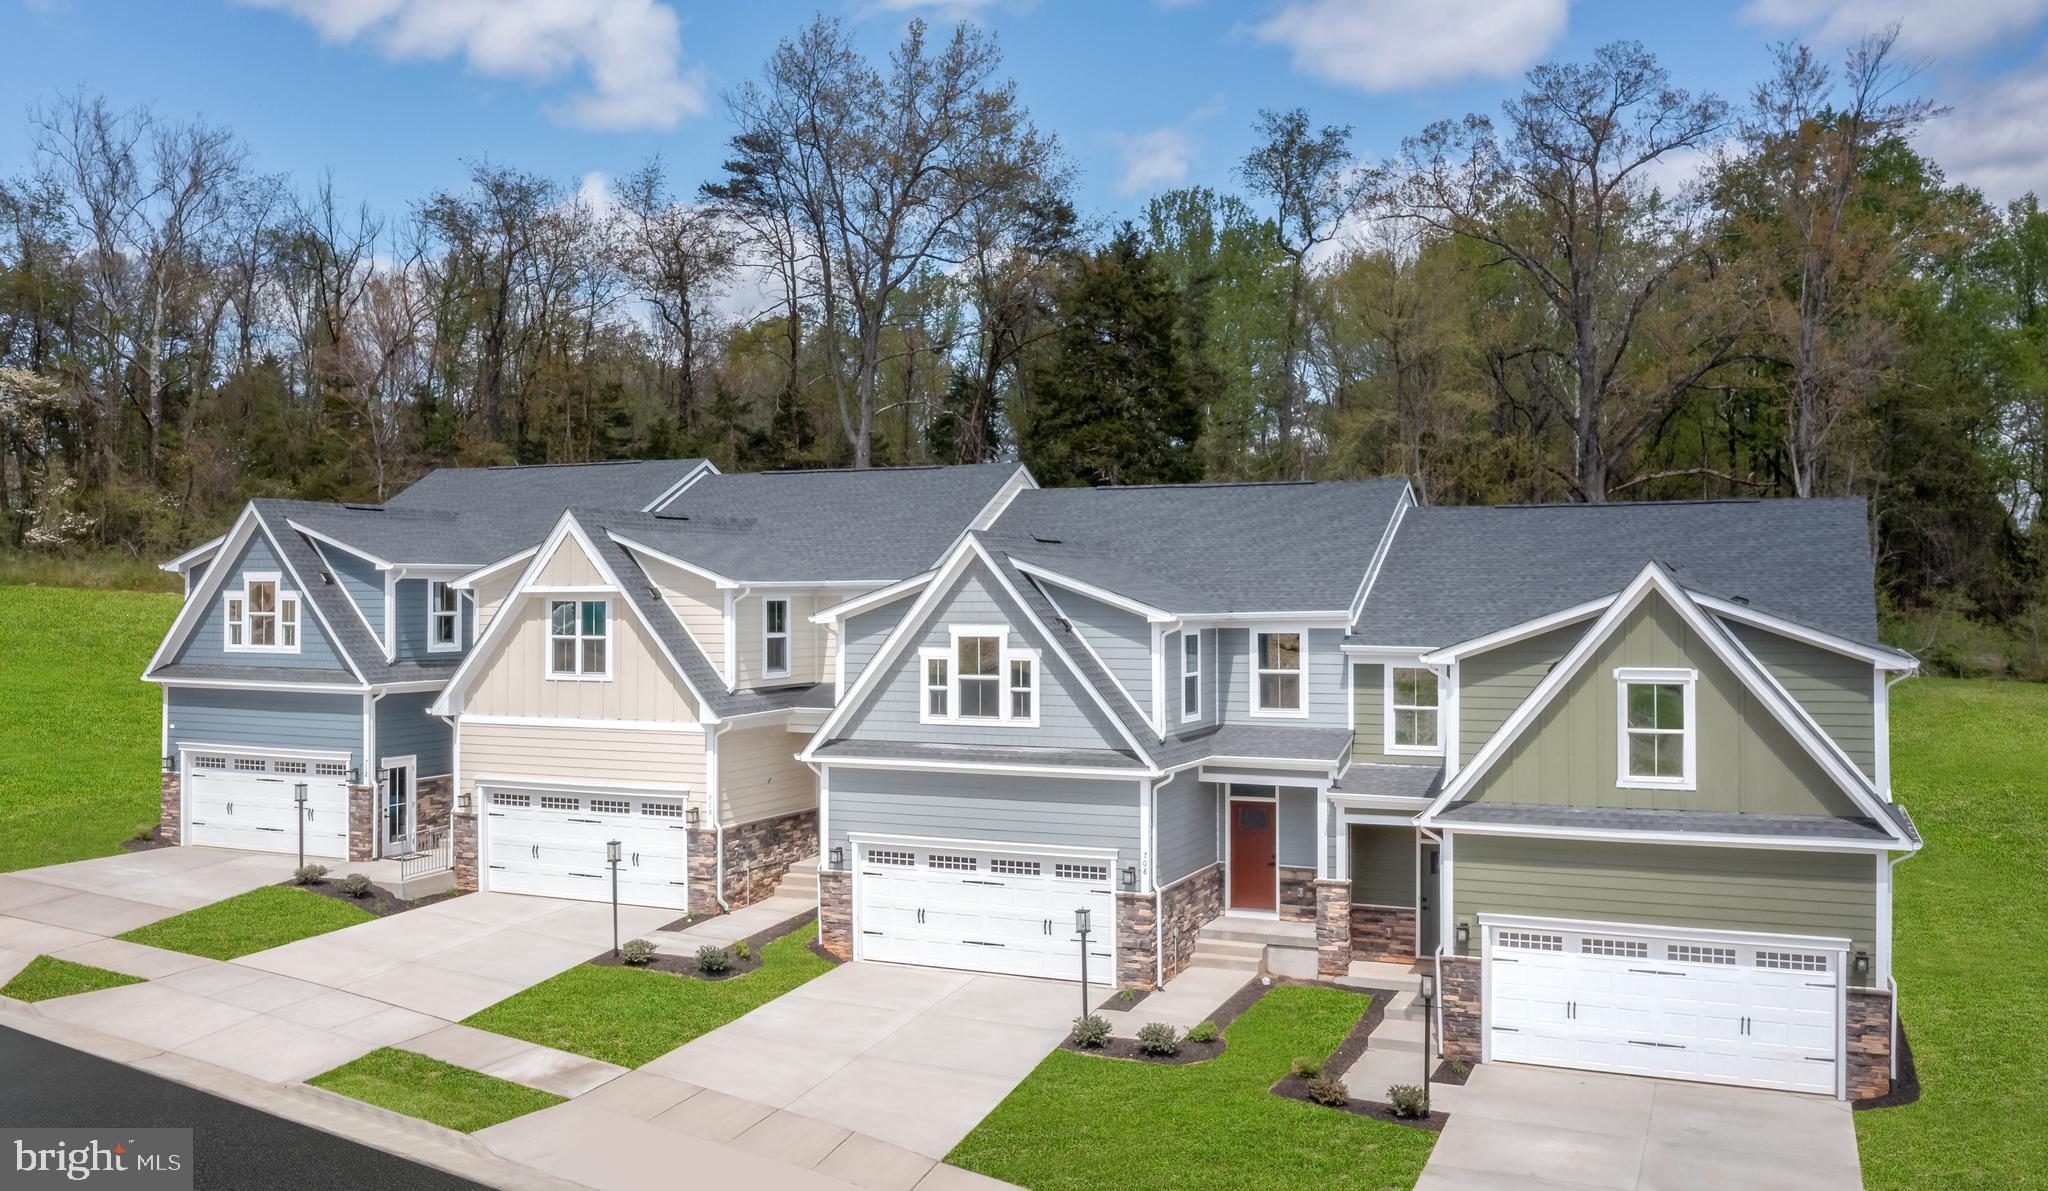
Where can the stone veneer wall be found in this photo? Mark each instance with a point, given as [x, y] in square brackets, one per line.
[757, 854]
[464, 850]
[1460, 994]
[171, 820]
[835, 913]
[434, 802]
[1333, 927]
[1868, 1043]
[1185, 908]
[1383, 933]
[1297, 894]
[1137, 940]
[702, 844]
[362, 823]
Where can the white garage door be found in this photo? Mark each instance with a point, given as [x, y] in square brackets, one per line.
[554, 844]
[985, 911]
[243, 801]
[1665, 1005]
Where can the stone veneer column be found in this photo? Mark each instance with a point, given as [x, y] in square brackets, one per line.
[1460, 993]
[1137, 940]
[1868, 1043]
[1383, 933]
[1297, 894]
[170, 819]
[1333, 927]
[433, 802]
[703, 848]
[1184, 909]
[362, 823]
[757, 854]
[835, 913]
[464, 850]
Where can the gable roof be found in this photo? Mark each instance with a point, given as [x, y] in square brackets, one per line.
[1454, 574]
[617, 484]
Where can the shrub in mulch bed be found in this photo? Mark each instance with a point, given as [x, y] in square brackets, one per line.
[1453, 1072]
[686, 965]
[1191, 1051]
[1295, 1086]
[377, 901]
[1905, 1089]
[1129, 998]
[147, 839]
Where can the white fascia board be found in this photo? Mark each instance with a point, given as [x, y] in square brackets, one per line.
[1389, 651]
[874, 599]
[189, 614]
[236, 684]
[1100, 595]
[1151, 721]
[704, 466]
[1704, 839]
[1019, 481]
[1379, 554]
[432, 570]
[809, 758]
[338, 544]
[306, 600]
[1517, 632]
[469, 579]
[1883, 657]
[716, 579]
[190, 558]
[1320, 619]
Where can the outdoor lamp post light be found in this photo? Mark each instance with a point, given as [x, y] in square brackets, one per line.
[611, 855]
[1081, 929]
[299, 797]
[1428, 1002]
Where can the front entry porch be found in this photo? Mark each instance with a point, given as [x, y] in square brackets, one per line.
[1379, 902]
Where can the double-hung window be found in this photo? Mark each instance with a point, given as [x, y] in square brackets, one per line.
[579, 639]
[1658, 736]
[262, 617]
[444, 618]
[1190, 675]
[1280, 673]
[981, 660]
[979, 678]
[775, 638]
[1412, 710]
[1023, 687]
[937, 690]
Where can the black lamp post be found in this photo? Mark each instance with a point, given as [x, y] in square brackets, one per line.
[1081, 929]
[611, 855]
[299, 798]
[1428, 1018]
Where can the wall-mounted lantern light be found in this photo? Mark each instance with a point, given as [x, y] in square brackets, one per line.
[693, 816]
[838, 857]
[466, 802]
[1862, 964]
[1130, 876]
[1464, 934]
[170, 763]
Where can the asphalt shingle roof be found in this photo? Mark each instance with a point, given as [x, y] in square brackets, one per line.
[1391, 781]
[1453, 574]
[893, 750]
[1625, 819]
[622, 484]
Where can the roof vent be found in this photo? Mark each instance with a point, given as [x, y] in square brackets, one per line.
[327, 577]
[1049, 541]
[365, 508]
[1743, 600]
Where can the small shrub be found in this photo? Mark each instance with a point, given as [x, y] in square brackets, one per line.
[741, 951]
[146, 832]
[307, 874]
[1460, 1068]
[1129, 995]
[1328, 1089]
[1091, 1031]
[637, 951]
[1158, 1038]
[1407, 1100]
[1203, 1031]
[356, 885]
[713, 959]
[1308, 1068]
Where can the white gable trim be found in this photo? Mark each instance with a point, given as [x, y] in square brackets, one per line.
[704, 466]
[1100, 595]
[338, 544]
[1019, 481]
[1517, 632]
[874, 599]
[1653, 578]
[193, 557]
[306, 599]
[717, 579]
[230, 544]
[1379, 554]
[1879, 656]
[469, 580]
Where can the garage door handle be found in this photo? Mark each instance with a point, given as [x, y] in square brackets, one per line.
[1659, 1045]
[592, 876]
[277, 829]
[980, 943]
[1817, 1059]
[1655, 972]
[574, 819]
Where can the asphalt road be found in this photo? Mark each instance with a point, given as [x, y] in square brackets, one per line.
[235, 1148]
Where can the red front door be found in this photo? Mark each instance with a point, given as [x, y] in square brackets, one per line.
[1253, 879]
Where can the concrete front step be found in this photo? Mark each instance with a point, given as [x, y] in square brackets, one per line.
[1232, 947]
[1220, 963]
[1270, 934]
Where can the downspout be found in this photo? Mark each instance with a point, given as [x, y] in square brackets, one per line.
[717, 820]
[1437, 957]
[1892, 883]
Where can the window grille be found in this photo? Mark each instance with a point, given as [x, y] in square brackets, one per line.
[1081, 872]
[1791, 961]
[499, 798]
[958, 864]
[1529, 940]
[1619, 948]
[1014, 868]
[554, 802]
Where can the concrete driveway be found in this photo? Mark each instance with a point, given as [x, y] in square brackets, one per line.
[914, 1057]
[1575, 1131]
[44, 910]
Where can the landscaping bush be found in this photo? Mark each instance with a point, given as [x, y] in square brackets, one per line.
[145, 833]
[1091, 1031]
[1158, 1038]
[713, 959]
[1328, 1089]
[307, 874]
[742, 952]
[637, 951]
[1203, 1031]
[356, 885]
[1308, 1068]
[1407, 1099]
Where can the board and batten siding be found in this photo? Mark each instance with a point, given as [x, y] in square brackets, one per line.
[1185, 819]
[663, 761]
[1121, 642]
[1748, 762]
[361, 580]
[404, 728]
[1832, 894]
[759, 776]
[1493, 683]
[997, 808]
[513, 681]
[266, 719]
[1326, 689]
[569, 566]
[206, 644]
[1382, 865]
[1835, 689]
[1068, 718]
[1206, 685]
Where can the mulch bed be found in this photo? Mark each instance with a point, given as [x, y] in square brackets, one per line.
[1450, 1072]
[1356, 1043]
[1130, 998]
[1905, 1089]
[150, 844]
[1190, 1052]
[686, 965]
[379, 901]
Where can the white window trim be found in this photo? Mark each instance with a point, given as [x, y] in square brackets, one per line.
[1387, 710]
[434, 615]
[1005, 654]
[1686, 680]
[285, 595]
[787, 645]
[1252, 669]
[1188, 713]
[548, 639]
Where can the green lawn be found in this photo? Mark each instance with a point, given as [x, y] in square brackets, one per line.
[630, 1017]
[1085, 1122]
[1970, 760]
[254, 921]
[79, 754]
[450, 1096]
[47, 977]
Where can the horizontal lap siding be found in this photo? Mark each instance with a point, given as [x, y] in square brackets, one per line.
[1121, 641]
[1837, 691]
[363, 582]
[1093, 813]
[751, 654]
[1184, 814]
[404, 727]
[1328, 693]
[864, 634]
[1492, 684]
[413, 630]
[1206, 684]
[622, 757]
[267, 719]
[697, 602]
[1382, 865]
[759, 776]
[1769, 890]
[207, 643]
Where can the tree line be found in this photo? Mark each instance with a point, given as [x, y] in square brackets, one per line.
[1612, 289]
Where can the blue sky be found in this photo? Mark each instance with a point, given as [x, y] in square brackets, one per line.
[394, 95]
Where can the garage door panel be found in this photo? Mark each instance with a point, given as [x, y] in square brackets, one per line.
[976, 910]
[250, 802]
[555, 845]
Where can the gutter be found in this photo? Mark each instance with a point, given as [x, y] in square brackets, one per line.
[1437, 956]
[717, 821]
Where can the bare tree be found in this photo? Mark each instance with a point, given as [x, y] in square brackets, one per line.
[678, 259]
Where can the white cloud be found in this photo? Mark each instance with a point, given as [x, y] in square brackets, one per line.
[1389, 45]
[628, 51]
[1995, 139]
[1925, 26]
[1160, 159]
